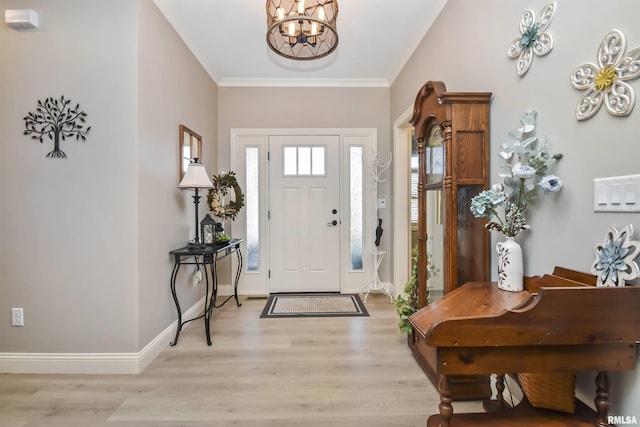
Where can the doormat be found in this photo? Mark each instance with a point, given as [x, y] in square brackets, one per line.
[313, 305]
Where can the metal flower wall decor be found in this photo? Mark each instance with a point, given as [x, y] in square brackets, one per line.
[615, 256]
[533, 38]
[604, 83]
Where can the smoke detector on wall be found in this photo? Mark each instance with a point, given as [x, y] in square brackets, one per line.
[20, 19]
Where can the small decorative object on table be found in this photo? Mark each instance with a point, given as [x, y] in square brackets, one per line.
[526, 160]
[510, 269]
[220, 236]
[208, 230]
[615, 256]
[196, 178]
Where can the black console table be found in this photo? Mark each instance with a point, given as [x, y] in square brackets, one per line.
[208, 255]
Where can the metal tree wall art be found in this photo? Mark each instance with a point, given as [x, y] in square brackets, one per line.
[57, 119]
[533, 38]
[605, 82]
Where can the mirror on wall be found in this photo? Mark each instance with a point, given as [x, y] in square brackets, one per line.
[190, 148]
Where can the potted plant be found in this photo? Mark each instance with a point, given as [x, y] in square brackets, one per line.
[407, 302]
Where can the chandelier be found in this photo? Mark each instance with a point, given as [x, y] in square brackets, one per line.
[299, 29]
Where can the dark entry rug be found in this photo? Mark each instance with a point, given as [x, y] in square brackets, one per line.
[313, 305]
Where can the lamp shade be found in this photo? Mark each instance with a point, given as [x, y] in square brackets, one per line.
[195, 177]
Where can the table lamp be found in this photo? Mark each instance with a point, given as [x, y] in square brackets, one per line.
[196, 177]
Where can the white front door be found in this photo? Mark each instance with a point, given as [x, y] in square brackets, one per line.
[304, 226]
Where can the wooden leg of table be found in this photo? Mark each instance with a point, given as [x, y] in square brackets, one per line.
[498, 404]
[446, 410]
[500, 390]
[602, 399]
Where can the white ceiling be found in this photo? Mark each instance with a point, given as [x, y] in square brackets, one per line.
[228, 37]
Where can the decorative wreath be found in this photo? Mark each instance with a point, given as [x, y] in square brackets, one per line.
[221, 185]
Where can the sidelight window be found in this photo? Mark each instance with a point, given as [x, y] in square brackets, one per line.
[356, 192]
[252, 179]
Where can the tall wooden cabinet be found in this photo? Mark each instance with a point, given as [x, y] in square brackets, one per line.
[452, 131]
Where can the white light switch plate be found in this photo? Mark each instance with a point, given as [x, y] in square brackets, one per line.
[617, 194]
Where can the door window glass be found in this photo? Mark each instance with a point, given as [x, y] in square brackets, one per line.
[304, 161]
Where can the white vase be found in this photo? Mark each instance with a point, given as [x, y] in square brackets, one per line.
[510, 273]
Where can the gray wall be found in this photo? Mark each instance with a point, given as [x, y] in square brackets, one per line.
[85, 240]
[69, 238]
[286, 107]
[466, 48]
[173, 89]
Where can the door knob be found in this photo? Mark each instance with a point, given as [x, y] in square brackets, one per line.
[333, 223]
[334, 211]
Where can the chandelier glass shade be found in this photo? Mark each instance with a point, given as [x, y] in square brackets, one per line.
[302, 29]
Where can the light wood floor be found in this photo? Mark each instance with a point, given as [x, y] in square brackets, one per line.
[317, 372]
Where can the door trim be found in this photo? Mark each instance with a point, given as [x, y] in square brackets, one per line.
[401, 208]
[257, 282]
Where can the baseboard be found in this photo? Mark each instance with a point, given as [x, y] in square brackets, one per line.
[586, 398]
[358, 290]
[93, 363]
[225, 290]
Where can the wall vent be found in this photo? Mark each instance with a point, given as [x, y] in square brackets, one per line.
[20, 19]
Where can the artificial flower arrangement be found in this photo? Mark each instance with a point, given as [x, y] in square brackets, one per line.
[526, 159]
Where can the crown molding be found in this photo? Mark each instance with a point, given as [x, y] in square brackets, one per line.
[302, 82]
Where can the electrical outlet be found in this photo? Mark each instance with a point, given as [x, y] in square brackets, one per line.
[17, 317]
